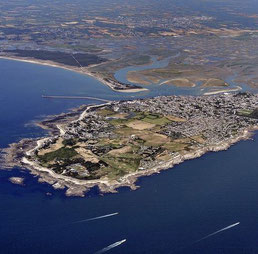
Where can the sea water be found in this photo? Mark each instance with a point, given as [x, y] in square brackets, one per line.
[167, 214]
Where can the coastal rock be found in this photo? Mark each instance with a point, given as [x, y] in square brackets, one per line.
[76, 191]
[17, 180]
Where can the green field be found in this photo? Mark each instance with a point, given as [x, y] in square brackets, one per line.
[137, 137]
[60, 154]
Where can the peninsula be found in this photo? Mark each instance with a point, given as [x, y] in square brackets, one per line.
[71, 63]
[111, 145]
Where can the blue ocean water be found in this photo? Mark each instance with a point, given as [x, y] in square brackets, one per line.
[168, 214]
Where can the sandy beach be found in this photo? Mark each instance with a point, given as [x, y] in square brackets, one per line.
[238, 88]
[81, 70]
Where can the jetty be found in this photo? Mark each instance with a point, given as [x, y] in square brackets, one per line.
[73, 97]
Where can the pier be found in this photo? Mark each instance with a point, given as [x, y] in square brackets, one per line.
[73, 97]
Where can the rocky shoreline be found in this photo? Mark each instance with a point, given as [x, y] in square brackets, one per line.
[17, 155]
[17, 180]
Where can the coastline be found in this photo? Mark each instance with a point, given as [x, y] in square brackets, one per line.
[76, 187]
[79, 70]
[238, 88]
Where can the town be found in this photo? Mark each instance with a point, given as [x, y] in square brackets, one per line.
[112, 140]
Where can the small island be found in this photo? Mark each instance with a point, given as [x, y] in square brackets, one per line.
[111, 145]
[17, 180]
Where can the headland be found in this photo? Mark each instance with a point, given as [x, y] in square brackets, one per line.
[112, 144]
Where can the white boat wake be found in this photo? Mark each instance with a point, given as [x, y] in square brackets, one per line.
[110, 247]
[219, 231]
[96, 218]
